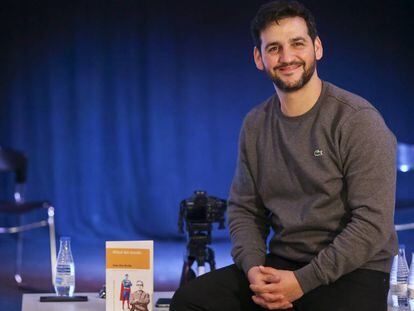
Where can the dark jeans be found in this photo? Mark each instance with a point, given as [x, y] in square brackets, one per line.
[227, 289]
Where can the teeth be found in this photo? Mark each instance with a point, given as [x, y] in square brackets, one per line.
[290, 67]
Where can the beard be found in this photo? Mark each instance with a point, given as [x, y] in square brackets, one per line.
[293, 86]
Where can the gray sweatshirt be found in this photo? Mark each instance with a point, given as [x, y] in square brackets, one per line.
[323, 181]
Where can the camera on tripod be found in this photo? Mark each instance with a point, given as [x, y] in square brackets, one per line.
[199, 212]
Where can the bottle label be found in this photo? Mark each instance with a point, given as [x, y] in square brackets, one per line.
[65, 275]
[63, 269]
[399, 289]
[65, 280]
[411, 293]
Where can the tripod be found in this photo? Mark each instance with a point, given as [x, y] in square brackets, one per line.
[197, 250]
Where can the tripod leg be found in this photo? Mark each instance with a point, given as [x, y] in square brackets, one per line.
[186, 273]
[210, 259]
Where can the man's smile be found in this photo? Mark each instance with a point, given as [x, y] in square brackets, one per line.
[290, 68]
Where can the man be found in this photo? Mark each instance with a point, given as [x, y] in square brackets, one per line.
[317, 164]
[139, 298]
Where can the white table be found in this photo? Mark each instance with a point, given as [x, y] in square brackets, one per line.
[31, 302]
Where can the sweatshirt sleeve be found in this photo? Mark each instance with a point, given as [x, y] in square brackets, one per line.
[367, 149]
[247, 216]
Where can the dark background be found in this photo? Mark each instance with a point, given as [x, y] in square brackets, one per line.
[124, 108]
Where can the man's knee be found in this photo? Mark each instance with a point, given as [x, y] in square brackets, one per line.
[198, 294]
[216, 290]
[181, 299]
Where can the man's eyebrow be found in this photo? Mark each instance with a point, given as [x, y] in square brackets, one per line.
[296, 39]
[274, 43]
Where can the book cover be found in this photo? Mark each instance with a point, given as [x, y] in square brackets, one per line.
[129, 275]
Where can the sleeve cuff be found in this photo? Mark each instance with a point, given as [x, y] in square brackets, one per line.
[252, 261]
[307, 278]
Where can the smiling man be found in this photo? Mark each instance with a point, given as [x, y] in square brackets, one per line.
[316, 165]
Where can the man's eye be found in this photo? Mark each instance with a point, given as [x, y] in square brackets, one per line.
[298, 44]
[273, 49]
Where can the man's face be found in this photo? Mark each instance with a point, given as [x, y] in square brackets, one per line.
[288, 54]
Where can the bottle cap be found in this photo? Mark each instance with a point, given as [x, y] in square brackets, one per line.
[65, 238]
[402, 246]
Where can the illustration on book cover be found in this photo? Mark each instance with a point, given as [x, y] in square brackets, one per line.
[129, 276]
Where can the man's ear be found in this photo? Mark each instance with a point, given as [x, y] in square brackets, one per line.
[258, 59]
[318, 48]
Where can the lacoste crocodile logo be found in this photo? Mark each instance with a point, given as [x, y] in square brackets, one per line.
[318, 153]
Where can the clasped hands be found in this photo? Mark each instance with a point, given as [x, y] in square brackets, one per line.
[273, 288]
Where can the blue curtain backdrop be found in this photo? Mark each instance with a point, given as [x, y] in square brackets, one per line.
[125, 107]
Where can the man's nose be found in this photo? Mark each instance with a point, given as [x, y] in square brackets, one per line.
[286, 55]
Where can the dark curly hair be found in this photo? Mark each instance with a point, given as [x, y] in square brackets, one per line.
[273, 12]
